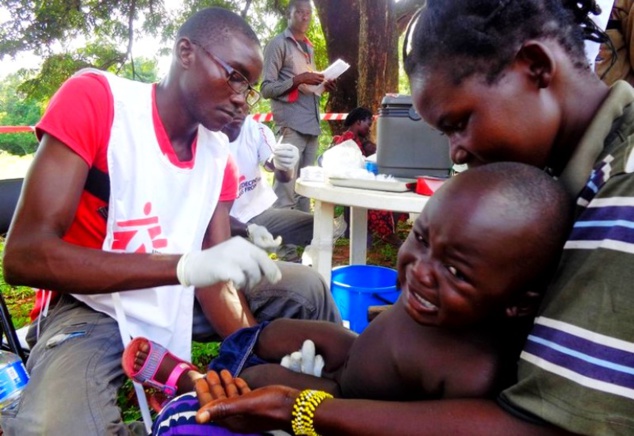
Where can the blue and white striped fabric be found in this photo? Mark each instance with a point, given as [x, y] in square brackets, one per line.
[584, 357]
[606, 223]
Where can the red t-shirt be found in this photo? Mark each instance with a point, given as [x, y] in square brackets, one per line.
[338, 139]
[80, 115]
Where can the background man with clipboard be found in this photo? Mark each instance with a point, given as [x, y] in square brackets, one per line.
[289, 68]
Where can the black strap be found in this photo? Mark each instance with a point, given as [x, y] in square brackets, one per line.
[98, 184]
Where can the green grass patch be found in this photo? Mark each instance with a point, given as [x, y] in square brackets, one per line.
[19, 299]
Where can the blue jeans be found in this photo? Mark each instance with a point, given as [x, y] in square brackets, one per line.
[236, 351]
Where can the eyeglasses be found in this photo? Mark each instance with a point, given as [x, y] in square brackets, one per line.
[236, 81]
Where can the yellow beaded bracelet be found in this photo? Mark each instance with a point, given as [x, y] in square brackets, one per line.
[304, 411]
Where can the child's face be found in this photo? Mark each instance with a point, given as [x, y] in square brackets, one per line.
[461, 262]
[510, 120]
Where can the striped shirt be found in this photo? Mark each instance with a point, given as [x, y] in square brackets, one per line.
[577, 367]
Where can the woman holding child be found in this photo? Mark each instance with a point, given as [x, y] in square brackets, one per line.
[507, 80]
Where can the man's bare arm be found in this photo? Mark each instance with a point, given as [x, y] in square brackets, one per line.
[225, 307]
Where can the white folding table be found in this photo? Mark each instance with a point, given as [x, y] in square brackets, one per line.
[326, 196]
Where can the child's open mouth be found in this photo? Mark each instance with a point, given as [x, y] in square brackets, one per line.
[426, 303]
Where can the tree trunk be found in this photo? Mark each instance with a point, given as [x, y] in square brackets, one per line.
[340, 24]
[364, 33]
[378, 55]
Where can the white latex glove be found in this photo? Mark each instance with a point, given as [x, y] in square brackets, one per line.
[319, 365]
[305, 361]
[285, 157]
[236, 259]
[308, 357]
[261, 237]
[294, 361]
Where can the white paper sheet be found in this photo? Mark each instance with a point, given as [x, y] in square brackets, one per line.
[334, 70]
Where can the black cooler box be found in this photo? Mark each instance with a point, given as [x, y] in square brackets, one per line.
[407, 146]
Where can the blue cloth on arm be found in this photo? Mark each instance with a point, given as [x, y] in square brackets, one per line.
[236, 351]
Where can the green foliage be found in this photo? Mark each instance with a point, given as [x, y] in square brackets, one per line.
[99, 33]
[386, 255]
[59, 67]
[19, 299]
[127, 402]
[17, 110]
[403, 80]
[342, 242]
[23, 95]
[142, 69]
[203, 353]
[263, 16]
[54, 71]
[70, 35]
[43, 25]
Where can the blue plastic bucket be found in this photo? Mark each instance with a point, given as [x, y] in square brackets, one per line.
[357, 287]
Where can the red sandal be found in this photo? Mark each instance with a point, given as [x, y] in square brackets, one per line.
[156, 355]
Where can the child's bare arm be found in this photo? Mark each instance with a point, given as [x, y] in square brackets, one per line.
[284, 336]
[271, 374]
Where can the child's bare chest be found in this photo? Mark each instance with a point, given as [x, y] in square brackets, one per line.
[396, 360]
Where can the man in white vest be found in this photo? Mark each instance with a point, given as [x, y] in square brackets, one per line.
[253, 145]
[108, 255]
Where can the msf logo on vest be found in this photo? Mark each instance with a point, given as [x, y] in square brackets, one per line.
[141, 235]
[247, 185]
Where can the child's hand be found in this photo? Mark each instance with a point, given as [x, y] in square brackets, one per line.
[216, 386]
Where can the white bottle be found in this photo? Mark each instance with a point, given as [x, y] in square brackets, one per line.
[13, 379]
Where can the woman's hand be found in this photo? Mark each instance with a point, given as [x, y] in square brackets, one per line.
[231, 403]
